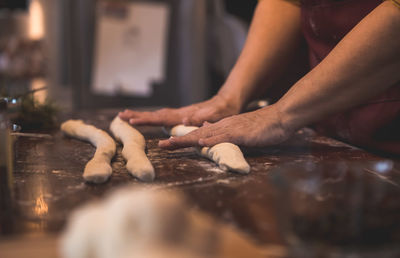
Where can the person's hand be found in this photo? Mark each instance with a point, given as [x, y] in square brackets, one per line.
[211, 111]
[255, 129]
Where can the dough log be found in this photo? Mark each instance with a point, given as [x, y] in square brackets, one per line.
[149, 223]
[228, 156]
[133, 151]
[98, 169]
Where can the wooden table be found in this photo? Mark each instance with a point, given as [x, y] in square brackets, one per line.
[312, 187]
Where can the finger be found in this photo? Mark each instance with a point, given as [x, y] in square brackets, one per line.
[155, 119]
[144, 121]
[127, 114]
[194, 122]
[200, 117]
[211, 141]
[206, 124]
[186, 121]
[165, 144]
[176, 143]
[163, 116]
[189, 121]
[189, 140]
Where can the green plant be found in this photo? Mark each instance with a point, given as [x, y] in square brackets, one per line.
[33, 116]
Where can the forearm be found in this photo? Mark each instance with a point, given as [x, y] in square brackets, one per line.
[272, 42]
[365, 63]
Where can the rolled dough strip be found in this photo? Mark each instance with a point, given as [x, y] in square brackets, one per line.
[137, 222]
[134, 150]
[228, 156]
[98, 169]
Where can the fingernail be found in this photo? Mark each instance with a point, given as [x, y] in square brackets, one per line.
[171, 140]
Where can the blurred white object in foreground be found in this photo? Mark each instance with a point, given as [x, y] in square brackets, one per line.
[150, 223]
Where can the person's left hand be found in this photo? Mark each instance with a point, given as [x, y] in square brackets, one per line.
[254, 129]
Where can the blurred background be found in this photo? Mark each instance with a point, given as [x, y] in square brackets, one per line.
[101, 54]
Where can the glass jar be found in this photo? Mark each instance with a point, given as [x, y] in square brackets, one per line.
[6, 162]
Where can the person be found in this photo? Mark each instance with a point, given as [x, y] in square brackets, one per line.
[352, 91]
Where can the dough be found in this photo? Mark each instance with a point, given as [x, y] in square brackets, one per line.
[228, 156]
[134, 150]
[98, 169]
[137, 222]
[181, 130]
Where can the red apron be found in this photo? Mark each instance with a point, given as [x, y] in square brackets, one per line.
[375, 124]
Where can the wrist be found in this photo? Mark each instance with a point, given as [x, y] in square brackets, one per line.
[288, 122]
[231, 101]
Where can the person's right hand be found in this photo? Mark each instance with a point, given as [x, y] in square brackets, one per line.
[211, 110]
